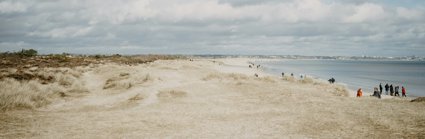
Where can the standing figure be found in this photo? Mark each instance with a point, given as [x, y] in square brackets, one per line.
[283, 74]
[292, 74]
[386, 88]
[380, 88]
[396, 91]
[403, 91]
[391, 90]
[359, 92]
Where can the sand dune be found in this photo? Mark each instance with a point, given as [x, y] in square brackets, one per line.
[204, 98]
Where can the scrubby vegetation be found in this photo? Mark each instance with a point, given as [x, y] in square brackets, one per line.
[30, 58]
[29, 80]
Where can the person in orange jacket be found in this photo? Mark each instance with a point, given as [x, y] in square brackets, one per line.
[359, 92]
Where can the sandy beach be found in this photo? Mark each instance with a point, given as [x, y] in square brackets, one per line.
[203, 98]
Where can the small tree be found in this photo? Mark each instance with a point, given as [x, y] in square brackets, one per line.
[28, 53]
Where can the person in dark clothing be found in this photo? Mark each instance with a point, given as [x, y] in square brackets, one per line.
[283, 74]
[376, 93]
[391, 90]
[332, 80]
[403, 91]
[380, 88]
[396, 91]
[386, 88]
[292, 74]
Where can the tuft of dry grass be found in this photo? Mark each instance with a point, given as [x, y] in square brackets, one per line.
[307, 80]
[289, 78]
[32, 89]
[231, 76]
[136, 98]
[25, 95]
[126, 81]
[419, 99]
[169, 94]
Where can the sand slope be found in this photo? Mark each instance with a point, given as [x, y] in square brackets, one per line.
[211, 99]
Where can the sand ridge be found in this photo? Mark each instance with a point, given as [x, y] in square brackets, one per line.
[210, 98]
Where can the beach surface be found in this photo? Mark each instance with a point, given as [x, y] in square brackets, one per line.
[200, 98]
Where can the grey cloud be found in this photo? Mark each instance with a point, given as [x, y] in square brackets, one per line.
[249, 27]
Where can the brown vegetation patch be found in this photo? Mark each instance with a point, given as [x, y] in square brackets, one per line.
[136, 98]
[22, 76]
[167, 94]
[10, 60]
[220, 76]
[419, 99]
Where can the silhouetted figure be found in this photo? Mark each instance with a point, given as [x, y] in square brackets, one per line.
[386, 88]
[283, 74]
[301, 76]
[292, 74]
[396, 91]
[380, 88]
[376, 92]
[403, 91]
[331, 80]
[391, 90]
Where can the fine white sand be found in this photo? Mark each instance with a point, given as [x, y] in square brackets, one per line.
[204, 98]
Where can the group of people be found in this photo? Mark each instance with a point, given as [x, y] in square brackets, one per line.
[393, 91]
[283, 74]
[253, 65]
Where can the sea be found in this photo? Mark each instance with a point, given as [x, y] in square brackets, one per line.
[365, 74]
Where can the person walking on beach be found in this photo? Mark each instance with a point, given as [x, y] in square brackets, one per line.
[376, 93]
[283, 74]
[380, 88]
[403, 91]
[359, 92]
[386, 89]
[396, 91]
[391, 90]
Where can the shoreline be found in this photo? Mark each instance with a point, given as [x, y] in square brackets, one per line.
[348, 86]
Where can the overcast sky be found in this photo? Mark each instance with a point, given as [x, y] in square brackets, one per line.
[276, 27]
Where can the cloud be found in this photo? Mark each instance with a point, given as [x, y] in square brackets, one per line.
[366, 12]
[410, 14]
[63, 32]
[12, 7]
[215, 26]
